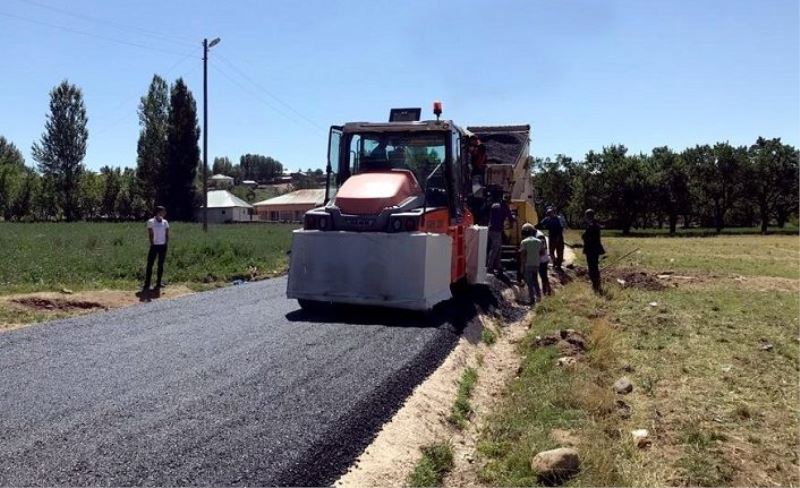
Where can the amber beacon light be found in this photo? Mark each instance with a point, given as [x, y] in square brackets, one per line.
[437, 109]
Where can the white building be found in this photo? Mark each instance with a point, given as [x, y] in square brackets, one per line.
[224, 206]
[290, 207]
[221, 181]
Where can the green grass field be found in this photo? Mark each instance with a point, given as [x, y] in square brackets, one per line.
[788, 230]
[86, 256]
[744, 254]
[714, 361]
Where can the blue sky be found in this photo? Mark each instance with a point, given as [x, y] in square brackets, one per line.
[584, 74]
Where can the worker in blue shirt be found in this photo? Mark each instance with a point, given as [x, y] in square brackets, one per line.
[555, 234]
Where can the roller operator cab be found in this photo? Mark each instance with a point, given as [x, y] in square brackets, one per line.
[396, 229]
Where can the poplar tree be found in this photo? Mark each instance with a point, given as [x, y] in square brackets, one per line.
[62, 147]
[152, 145]
[182, 153]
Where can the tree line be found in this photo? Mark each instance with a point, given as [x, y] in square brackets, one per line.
[709, 186]
[168, 166]
[253, 167]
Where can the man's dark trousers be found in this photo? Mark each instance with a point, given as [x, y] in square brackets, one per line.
[593, 262]
[160, 251]
[556, 249]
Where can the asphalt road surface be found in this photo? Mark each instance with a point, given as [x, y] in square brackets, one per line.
[234, 386]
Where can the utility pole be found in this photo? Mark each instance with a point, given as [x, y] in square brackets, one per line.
[206, 46]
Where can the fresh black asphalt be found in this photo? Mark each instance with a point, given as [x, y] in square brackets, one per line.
[236, 386]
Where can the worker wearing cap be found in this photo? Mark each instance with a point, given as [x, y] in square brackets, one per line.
[555, 234]
[498, 214]
[593, 249]
[544, 261]
[529, 249]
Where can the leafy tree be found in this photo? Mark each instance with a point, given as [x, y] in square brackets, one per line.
[152, 145]
[259, 168]
[246, 193]
[586, 189]
[619, 193]
[183, 153]
[553, 182]
[716, 179]
[62, 147]
[45, 204]
[91, 194]
[129, 203]
[772, 179]
[9, 154]
[112, 185]
[12, 166]
[670, 184]
[223, 166]
[23, 202]
[10, 180]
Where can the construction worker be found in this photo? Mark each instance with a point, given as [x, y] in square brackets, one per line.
[555, 233]
[477, 156]
[498, 214]
[529, 249]
[158, 233]
[593, 249]
[544, 260]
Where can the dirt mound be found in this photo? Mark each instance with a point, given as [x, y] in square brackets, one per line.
[57, 304]
[629, 278]
[569, 342]
[504, 299]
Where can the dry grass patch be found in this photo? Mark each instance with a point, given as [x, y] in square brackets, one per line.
[717, 373]
[747, 255]
[547, 397]
[714, 361]
[20, 310]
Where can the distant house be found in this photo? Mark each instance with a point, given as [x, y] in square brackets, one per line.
[289, 207]
[277, 180]
[224, 206]
[221, 181]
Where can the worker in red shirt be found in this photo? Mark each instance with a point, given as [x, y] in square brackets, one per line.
[477, 156]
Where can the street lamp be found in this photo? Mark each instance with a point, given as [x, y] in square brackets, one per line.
[206, 46]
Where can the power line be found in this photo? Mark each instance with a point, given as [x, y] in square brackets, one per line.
[89, 34]
[106, 128]
[270, 94]
[253, 93]
[106, 23]
[165, 73]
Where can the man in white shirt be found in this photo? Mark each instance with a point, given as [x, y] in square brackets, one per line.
[158, 231]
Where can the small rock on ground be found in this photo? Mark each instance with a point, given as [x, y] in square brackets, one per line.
[567, 361]
[641, 438]
[623, 386]
[556, 464]
[623, 409]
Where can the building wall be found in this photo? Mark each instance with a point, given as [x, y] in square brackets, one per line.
[283, 213]
[223, 215]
